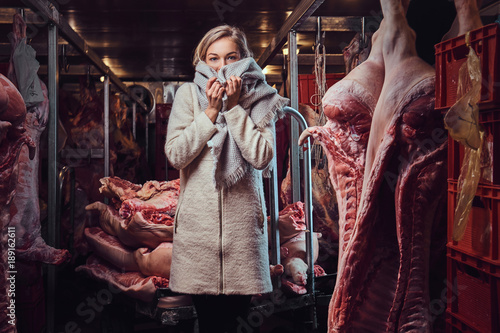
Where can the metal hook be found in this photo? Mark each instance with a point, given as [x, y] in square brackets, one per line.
[64, 61]
[363, 36]
[88, 76]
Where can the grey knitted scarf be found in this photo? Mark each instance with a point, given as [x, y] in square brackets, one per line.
[260, 101]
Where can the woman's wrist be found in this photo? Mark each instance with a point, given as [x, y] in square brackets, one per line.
[212, 113]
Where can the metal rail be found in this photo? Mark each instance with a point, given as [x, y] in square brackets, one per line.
[308, 207]
[52, 201]
[301, 13]
[307, 196]
[274, 216]
[294, 127]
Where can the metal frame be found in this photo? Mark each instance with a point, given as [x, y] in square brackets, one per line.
[52, 201]
[301, 13]
[172, 316]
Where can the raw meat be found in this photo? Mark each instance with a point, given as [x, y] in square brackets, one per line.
[276, 270]
[325, 212]
[135, 232]
[117, 187]
[12, 140]
[26, 219]
[349, 105]
[129, 154]
[383, 275]
[12, 108]
[30, 245]
[467, 18]
[132, 284]
[292, 232]
[357, 51]
[110, 249]
[85, 130]
[156, 262]
[293, 259]
[164, 203]
[291, 221]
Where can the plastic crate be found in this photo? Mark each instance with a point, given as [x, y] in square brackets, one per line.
[308, 88]
[473, 296]
[452, 53]
[455, 325]
[481, 237]
[490, 157]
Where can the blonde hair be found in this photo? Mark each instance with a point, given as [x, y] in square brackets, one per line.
[214, 34]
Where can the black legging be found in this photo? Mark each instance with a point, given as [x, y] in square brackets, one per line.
[220, 313]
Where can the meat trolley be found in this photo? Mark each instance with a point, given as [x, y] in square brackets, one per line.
[179, 317]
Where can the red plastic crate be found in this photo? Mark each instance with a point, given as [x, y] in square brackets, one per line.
[481, 237]
[451, 54]
[490, 157]
[308, 88]
[455, 325]
[473, 296]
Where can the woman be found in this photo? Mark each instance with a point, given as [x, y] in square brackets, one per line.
[220, 136]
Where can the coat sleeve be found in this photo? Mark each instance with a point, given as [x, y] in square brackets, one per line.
[255, 144]
[187, 133]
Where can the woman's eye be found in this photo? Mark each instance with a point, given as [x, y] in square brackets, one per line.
[212, 59]
[231, 58]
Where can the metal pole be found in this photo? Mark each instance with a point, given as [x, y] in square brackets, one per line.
[363, 38]
[106, 126]
[147, 137]
[308, 207]
[134, 120]
[274, 216]
[294, 126]
[52, 203]
[106, 130]
[318, 30]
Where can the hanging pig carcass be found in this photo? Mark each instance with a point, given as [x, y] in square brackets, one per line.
[391, 163]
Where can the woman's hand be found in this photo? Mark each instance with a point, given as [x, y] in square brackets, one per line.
[214, 93]
[233, 91]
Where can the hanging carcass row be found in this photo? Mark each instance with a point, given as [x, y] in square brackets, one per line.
[390, 162]
[12, 140]
[30, 245]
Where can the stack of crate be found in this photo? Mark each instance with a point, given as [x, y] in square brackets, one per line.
[308, 89]
[473, 263]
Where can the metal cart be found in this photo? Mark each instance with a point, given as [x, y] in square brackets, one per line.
[275, 303]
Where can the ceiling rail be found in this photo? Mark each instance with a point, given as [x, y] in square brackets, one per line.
[50, 12]
[301, 13]
[332, 23]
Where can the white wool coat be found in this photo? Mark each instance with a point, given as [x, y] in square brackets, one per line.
[220, 238]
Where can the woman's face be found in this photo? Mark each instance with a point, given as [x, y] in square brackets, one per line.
[222, 52]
